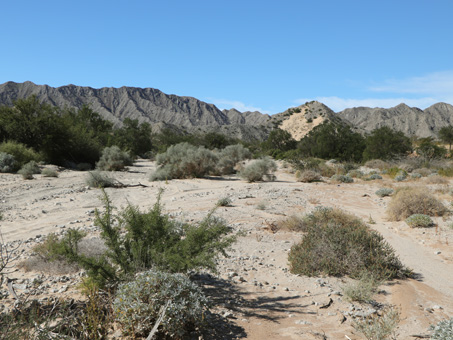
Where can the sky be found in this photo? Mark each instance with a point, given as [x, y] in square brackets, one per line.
[265, 55]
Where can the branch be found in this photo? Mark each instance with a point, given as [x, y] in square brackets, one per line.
[162, 311]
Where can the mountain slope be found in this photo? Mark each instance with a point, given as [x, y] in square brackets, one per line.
[145, 104]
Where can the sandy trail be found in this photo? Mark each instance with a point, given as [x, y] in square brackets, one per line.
[262, 299]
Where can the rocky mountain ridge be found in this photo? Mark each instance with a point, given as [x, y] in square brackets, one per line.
[192, 115]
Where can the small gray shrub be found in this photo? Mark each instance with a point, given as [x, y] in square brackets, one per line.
[224, 202]
[29, 169]
[98, 179]
[419, 221]
[342, 178]
[374, 177]
[423, 171]
[308, 176]
[7, 163]
[138, 302]
[47, 172]
[355, 174]
[383, 192]
[401, 176]
[113, 159]
[258, 170]
[443, 330]
[416, 175]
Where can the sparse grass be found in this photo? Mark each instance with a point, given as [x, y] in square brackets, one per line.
[293, 223]
[377, 164]
[29, 169]
[414, 200]
[377, 327]
[436, 179]
[337, 243]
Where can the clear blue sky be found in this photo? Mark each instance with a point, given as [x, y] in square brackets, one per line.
[264, 55]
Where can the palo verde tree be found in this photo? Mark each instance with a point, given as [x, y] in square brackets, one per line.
[446, 135]
[385, 143]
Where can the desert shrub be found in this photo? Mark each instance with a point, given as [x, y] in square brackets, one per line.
[447, 172]
[259, 170]
[337, 244]
[113, 159]
[383, 192]
[408, 201]
[342, 178]
[184, 160]
[416, 175]
[442, 330]
[395, 171]
[308, 176]
[29, 169]
[419, 221]
[47, 172]
[293, 223]
[361, 290]
[138, 241]
[423, 171]
[224, 202]
[386, 143]
[7, 163]
[355, 174]
[436, 179]
[373, 177]
[380, 327]
[377, 164]
[138, 303]
[22, 154]
[98, 179]
[230, 156]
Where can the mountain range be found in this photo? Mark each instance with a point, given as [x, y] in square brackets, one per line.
[192, 115]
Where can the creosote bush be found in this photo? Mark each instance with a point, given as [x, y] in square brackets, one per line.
[259, 170]
[419, 221]
[337, 244]
[138, 241]
[113, 159]
[137, 304]
[414, 200]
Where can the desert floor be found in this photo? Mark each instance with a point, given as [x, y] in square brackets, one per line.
[256, 297]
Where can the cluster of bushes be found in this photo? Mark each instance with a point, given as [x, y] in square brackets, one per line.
[185, 160]
[144, 265]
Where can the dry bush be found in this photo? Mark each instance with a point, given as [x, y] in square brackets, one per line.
[308, 176]
[423, 171]
[436, 179]
[377, 164]
[410, 200]
[293, 223]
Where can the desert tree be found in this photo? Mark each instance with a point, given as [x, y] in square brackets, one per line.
[446, 135]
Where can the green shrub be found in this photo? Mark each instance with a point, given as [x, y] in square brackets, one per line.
[224, 202]
[47, 172]
[29, 169]
[138, 303]
[374, 177]
[308, 176]
[408, 201]
[259, 170]
[7, 163]
[447, 172]
[363, 289]
[139, 241]
[184, 160]
[443, 330]
[337, 244]
[22, 154]
[419, 221]
[380, 327]
[113, 159]
[98, 179]
[383, 192]
[342, 178]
